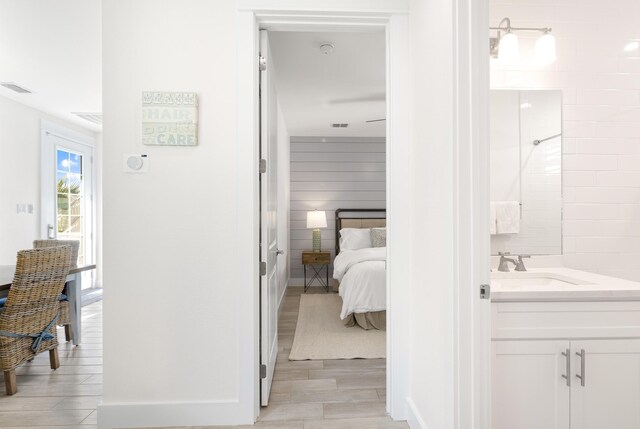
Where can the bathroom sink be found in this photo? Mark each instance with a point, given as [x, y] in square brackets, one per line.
[520, 280]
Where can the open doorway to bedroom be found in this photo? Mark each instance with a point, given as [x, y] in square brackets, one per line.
[325, 358]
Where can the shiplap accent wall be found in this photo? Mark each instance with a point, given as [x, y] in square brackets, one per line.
[328, 173]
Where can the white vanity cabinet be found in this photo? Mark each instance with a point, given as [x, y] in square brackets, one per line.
[537, 344]
[610, 397]
[528, 391]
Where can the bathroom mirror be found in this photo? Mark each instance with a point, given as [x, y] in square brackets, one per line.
[526, 172]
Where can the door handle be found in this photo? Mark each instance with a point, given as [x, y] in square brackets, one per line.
[279, 252]
[50, 234]
[582, 355]
[567, 356]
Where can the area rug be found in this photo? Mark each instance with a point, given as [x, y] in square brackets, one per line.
[320, 334]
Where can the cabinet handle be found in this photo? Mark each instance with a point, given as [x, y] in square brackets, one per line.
[567, 356]
[582, 355]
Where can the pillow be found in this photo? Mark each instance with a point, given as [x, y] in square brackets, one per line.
[355, 238]
[379, 237]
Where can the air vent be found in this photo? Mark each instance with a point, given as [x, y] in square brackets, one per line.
[339, 125]
[15, 87]
[93, 117]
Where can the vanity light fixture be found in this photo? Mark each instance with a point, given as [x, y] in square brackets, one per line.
[505, 46]
[632, 46]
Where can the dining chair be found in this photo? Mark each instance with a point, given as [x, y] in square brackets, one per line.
[65, 318]
[30, 314]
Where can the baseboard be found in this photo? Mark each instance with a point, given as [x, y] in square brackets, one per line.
[299, 282]
[296, 282]
[414, 418]
[281, 297]
[172, 414]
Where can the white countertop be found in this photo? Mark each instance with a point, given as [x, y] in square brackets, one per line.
[560, 284]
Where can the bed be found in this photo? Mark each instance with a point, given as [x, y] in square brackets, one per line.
[359, 269]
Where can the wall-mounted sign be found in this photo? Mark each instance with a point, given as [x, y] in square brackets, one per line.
[170, 118]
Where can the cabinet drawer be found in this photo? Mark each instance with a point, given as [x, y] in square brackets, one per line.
[538, 320]
[319, 258]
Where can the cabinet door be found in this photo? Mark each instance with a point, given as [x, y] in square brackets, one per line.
[610, 397]
[528, 391]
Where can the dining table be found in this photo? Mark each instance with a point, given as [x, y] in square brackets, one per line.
[74, 294]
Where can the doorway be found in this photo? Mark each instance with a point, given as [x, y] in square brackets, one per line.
[397, 200]
[329, 88]
[67, 192]
[462, 134]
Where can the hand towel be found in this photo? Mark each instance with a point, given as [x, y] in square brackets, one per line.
[507, 217]
[492, 219]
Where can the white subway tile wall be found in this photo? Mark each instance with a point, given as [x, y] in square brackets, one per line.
[600, 83]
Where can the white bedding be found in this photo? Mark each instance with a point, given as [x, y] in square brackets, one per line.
[362, 277]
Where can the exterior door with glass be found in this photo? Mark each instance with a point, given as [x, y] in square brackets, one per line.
[67, 193]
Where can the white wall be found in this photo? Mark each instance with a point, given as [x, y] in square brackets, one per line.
[171, 312]
[20, 175]
[601, 122]
[328, 173]
[173, 304]
[431, 390]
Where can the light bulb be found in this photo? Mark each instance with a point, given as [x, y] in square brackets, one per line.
[508, 49]
[632, 46]
[546, 49]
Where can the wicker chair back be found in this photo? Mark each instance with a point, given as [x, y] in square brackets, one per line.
[33, 303]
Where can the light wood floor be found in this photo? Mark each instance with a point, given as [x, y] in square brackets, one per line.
[66, 398]
[330, 394]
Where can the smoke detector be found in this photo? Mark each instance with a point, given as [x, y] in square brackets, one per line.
[326, 48]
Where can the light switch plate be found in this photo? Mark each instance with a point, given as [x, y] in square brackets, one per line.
[135, 163]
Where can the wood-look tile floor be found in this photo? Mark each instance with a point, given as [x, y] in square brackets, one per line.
[329, 394]
[66, 398]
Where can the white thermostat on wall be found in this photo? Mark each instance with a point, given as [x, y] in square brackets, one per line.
[136, 163]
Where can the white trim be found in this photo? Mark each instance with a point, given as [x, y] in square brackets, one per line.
[248, 216]
[281, 297]
[140, 415]
[414, 418]
[397, 173]
[472, 325]
[398, 216]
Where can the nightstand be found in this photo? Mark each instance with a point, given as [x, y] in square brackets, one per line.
[317, 261]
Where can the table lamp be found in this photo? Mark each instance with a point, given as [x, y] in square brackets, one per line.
[316, 220]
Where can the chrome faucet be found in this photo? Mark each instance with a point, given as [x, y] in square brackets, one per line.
[504, 262]
[503, 265]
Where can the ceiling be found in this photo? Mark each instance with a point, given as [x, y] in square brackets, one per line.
[316, 89]
[53, 48]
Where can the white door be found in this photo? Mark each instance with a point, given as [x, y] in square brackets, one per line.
[610, 394]
[528, 388]
[67, 192]
[268, 221]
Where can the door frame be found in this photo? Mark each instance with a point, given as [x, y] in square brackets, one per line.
[47, 181]
[397, 157]
[470, 318]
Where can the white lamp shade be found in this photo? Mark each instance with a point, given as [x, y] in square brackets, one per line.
[546, 49]
[316, 219]
[508, 49]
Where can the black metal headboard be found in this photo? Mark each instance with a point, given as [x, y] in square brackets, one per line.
[340, 215]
